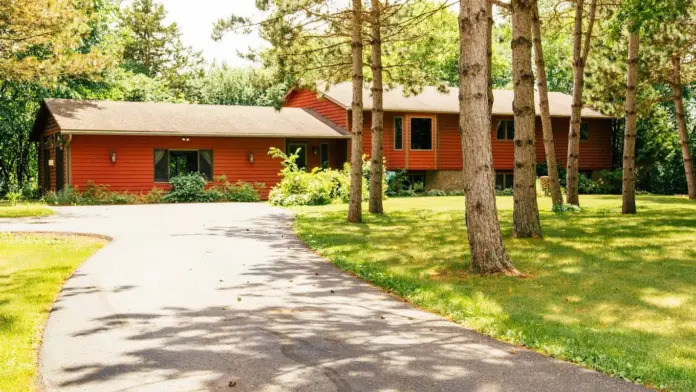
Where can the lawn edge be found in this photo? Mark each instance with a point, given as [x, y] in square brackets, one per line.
[449, 318]
[39, 384]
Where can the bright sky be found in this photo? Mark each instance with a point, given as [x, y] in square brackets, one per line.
[196, 18]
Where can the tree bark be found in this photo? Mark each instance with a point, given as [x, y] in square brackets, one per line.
[629, 155]
[580, 53]
[525, 216]
[678, 97]
[355, 203]
[488, 254]
[547, 128]
[377, 166]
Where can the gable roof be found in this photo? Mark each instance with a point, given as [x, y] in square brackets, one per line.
[176, 119]
[433, 101]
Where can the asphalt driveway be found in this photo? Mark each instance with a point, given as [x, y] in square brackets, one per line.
[224, 297]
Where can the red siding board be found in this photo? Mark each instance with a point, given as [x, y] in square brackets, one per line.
[309, 100]
[134, 168]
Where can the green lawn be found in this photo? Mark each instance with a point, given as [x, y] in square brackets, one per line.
[611, 292]
[32, 271]
[24, 210]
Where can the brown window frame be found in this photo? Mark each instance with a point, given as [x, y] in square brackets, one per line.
[432, 133]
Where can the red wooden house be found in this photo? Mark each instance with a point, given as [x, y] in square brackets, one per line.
[137, 146]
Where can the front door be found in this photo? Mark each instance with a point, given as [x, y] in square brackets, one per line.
[60, 176]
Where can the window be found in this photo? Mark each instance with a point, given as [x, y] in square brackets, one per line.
[584, 132]
[398, 133]
[503, 181]
[324, 155]
[171, 163]
[292, 149]
[506, 130]
[421, 133]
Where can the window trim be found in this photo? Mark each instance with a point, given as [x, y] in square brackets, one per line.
[433, 126]
[402, 133]
[505, 174]
[506, 121]
[305, 147]
[198, 163]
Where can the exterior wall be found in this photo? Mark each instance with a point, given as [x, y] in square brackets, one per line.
[134, 167]
[445, 180]
[309, 100]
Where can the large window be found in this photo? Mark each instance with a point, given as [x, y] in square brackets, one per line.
[171, 163]
[398, 133]
[421, 133]
[506, 130]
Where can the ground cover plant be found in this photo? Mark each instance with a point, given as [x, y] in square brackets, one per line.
[611, 292]
[33, 268]
[24, 210]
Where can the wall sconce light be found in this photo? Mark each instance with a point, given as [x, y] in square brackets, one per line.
[251, 157]
[315, 151]
[112, 156]
[185, 139]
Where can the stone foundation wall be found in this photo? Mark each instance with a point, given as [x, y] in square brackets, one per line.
[444, 180]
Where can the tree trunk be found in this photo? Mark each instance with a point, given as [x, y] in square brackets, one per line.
[678, 98]
[542, 84]
[629, 155]
[525, 217]
[580, 54]
[377, 166]
[355, 203]
[488, 254]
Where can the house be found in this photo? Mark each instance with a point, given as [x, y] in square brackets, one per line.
[136, 146]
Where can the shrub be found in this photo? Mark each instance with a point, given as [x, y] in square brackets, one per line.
[566, 208]
[239, 192]
[436, 192]
[65, 197]
[610, 181]
[156, 195]
[504, 192]
[318, 187]
[13, 197]
[186, 188]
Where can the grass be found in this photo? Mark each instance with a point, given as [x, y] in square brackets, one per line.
[611, 292]
[24, 210]
[33, 268]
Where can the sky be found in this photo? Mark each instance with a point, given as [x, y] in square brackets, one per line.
[196, 18]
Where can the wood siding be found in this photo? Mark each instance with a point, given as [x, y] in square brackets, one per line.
[51, 128]
[133, 170]
[309, 100]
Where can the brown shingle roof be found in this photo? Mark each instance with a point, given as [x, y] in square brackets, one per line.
[149, 118]
[433, 101]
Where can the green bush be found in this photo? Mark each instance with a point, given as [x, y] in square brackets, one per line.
[318, 187]
[65, 197]
[566, 208]
[239, 192]
[504, 192]
[155, 196]
[187, 188]
[436, 192]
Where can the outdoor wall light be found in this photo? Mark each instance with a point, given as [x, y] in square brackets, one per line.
[251, 157]
[113, 156]
[315, 151]
[185, 139]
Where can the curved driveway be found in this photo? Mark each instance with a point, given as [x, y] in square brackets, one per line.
[224, 297]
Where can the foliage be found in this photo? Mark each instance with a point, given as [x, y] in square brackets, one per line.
[224, 85]
[504, 192]
[318, 187]
[42, 40]
[155, 49]
[566, 208]
[33, 269]
[224, 191]
[580, 302]
[187, 188]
